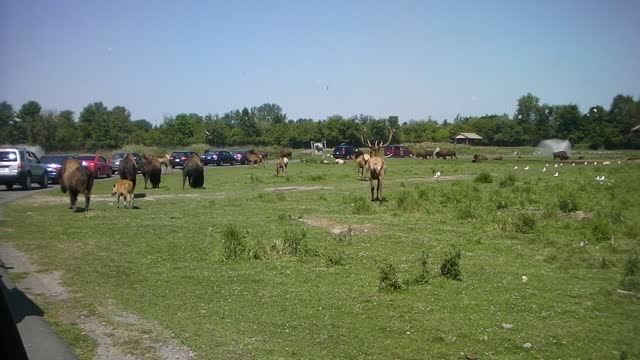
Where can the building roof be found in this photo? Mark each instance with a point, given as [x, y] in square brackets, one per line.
[467, 136]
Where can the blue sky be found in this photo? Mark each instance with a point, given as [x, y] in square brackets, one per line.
[318, 58]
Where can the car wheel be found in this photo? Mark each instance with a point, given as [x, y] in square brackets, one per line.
[8, 186]
[27, 183]
[45, 180]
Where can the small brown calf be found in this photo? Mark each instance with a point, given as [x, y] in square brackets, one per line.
[124, 189]
[281, 166]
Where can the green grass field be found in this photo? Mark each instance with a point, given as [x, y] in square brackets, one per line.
[246, 269]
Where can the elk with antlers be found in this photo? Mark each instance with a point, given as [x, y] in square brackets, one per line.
[375, 166]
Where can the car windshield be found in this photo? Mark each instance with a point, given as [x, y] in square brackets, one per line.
[86, 157]
[54, 159]
[118, 156]
[8, 156]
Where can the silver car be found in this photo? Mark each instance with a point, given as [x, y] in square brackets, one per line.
[21, 166]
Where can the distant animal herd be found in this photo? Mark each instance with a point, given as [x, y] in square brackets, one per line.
[76, 179]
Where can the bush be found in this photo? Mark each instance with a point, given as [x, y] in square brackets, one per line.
[525, 223]
[484, 178]
[450, 267]
[388, 278]
[601, 230]
[568, 204]
[508, 180]
[425, 275]
[233, 244]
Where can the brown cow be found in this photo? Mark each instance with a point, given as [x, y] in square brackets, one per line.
[76, 179]
[194, 170]
[425, 154]
[152, 170]
[444, 153]
[478, 158]
[562, 155]
[281, 166]
[499, 157]
[128, 169]
[124, 189]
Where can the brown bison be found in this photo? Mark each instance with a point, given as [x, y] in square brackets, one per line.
[478, 158]
[499, 157]
[124, 189]
[425, 154]
[128, 169]
[194, 170]
[286, 153]
[444, 153]
[152, 170]
[76, 179]
[562, 155]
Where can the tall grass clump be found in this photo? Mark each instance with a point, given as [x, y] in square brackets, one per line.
[361, 206]
[407, 201]
[292, 243]
[388, 277]
[508, 180]
[450, 267]
[601, 230]
[424, 276]
[484, 178]
[525, 223]
[568, 204]
[233, 244]
[631, 275]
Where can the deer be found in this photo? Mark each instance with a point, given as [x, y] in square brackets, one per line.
[281, 166]
[361, 162]
[375, 167]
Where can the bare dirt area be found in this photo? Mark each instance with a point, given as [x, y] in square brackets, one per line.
[299, 188]
[156, 342]
[45, 200]
[337, 228]
[440, 178]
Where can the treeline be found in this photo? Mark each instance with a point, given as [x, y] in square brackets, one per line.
[98, 127]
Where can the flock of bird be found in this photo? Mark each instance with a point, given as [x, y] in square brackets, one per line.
[544, 169]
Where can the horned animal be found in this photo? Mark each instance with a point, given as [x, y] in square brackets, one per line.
[76, 179]
[128, 169]
[425, 154]
[124, 189]
[286, 153]
[255, 159]
[281, 166]
[444, 153]
[376, 166]
[361, 163]
[194, 171]
[562, 155]
[152, 170]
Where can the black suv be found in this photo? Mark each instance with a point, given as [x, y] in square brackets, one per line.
[217, 157]
[345, 152]
[178, 158]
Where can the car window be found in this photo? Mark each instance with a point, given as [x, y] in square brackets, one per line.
[8, 156]
[102, 159]
[86, 157]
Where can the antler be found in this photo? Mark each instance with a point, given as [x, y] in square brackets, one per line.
[391, 131]
[362, 138]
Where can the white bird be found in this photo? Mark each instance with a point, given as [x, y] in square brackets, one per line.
[546, 165]
[556, 174]
[527, 168]
[618, 161]
[561, 164]
[595, 163]
[524, 279]
[206, 132]
[574, 164]
[556, 165]
[515, 167]
[437, 175]
[598, 178]
[585, 163]
[544, 169]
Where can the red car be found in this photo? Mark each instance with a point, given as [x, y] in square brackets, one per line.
[97, 163]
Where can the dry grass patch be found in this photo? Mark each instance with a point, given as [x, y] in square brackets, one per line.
[299, 188]
[338, 228]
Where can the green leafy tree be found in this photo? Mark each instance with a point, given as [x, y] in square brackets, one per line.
[7, 123]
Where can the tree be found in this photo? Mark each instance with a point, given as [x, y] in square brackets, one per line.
[527, 113]
[7, 123]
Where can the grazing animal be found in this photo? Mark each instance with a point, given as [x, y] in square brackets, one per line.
[152, 170]
[263, 155]
[255, 159]
[362, 161]
[76, 179]
[124, 189]
[444, 153]
[164, 160]
[281, 166]
[376, 166]
[128, 169]
[477, 158]
[562, 155]
[499, 157]
[286, 153]
[194, 171]
[425, 154]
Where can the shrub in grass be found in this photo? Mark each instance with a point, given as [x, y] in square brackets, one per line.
[501, 204]
[450, 267]
[361, 206]
[233, 244]
[568, 204]
[407, 201]
[425, 274]
[601, 230]
[280, 197]
[465, 212]
[295, 242]
[484, 178]
[631, 275]
[388, 277]
[336, 259]
[508, 180]
[525, 223]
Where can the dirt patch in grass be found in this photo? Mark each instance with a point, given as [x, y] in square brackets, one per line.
[114, 342]
[441, 178]
[299, 188]
[579, 215]
[338, 228]
[39, 200]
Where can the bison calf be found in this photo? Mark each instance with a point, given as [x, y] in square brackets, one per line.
[124, 189]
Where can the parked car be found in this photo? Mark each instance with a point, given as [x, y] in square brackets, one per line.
[241, 156]
[178, 158]
[115, 161]
[345, 152]
[98, 164]
[21, 166]
[53, 163]
[397, 151]
[218, 157]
